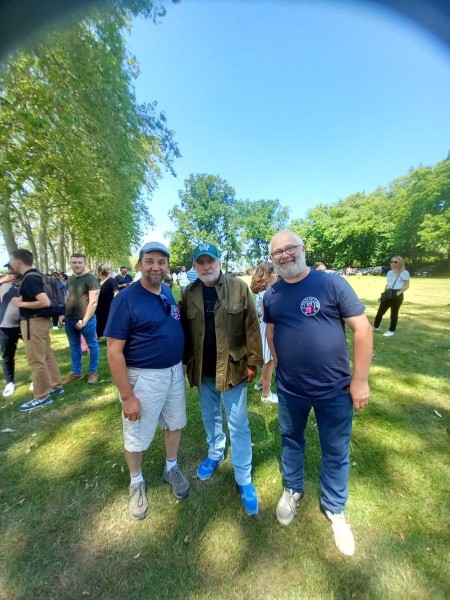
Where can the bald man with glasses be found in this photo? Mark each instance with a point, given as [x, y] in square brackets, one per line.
[305, 313]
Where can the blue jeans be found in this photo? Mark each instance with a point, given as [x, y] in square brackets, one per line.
[235, 403]
[89, 333]
[334, 423]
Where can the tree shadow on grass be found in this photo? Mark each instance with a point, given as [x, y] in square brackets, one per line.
[72, 533]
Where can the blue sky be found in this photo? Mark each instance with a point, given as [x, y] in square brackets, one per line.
[300, 101]
[306, 102]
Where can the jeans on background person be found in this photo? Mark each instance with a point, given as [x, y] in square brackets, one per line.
[89, 332]
[9, 336]
[334, 424]
[235, 403]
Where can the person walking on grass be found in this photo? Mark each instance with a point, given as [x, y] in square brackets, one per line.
[9, 327]
[223, 351]
[264, 276]
[79, 320]
[397, 280]
[35, 328]
[305, 314]
[145, 348]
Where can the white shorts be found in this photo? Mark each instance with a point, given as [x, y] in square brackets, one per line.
[162, 394]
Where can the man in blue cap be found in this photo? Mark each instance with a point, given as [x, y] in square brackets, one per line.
[222, 353]
[145, 348]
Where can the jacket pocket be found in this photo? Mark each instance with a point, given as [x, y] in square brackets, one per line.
[238, 353]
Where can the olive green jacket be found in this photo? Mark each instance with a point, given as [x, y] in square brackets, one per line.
[238, 336]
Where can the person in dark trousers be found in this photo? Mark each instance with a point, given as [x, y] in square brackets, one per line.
[397, 280]
[9, 327]
[305, 314]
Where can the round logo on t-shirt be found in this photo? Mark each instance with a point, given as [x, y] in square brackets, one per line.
[174, 311]
[310, 306]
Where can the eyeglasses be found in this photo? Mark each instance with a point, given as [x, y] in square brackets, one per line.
[394, 262]
[166, 305]
[289, 250]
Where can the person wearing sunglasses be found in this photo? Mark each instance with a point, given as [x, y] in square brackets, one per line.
[145, 349]
[223, 352]
[305, 314]
[397, 281]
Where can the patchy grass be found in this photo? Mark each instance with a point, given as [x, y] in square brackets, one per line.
[64, 524]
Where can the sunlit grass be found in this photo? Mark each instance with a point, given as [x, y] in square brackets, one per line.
[64, 524]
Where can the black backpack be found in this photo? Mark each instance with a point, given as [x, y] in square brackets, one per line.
[55, 291]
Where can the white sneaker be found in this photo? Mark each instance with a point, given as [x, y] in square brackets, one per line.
[55, 328]
[287, 506]
[342, 533]
[388, 334]
[9, 390]
[271, 398]
[375, 329]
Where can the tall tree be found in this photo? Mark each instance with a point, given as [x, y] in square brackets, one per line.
[261, 219]
[207, 212]
[77, 151]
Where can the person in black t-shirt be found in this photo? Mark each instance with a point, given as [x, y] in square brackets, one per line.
[35, 331]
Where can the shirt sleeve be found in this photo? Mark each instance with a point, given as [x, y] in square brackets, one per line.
[118, 326]
[349, 303]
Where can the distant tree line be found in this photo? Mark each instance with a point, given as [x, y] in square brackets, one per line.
[411, 217]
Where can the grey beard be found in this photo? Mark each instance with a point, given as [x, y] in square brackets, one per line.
[209, 278]
[291, 271]
[154, 282]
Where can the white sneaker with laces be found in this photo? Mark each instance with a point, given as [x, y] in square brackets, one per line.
[342, 533]
[271, 398]
[287, 506]
[388, 334]
[9, 390]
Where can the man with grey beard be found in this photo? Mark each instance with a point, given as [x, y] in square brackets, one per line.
[306, 313]
[223, 350]
[145, 348]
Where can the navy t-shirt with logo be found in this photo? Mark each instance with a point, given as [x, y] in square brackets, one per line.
[309, 333]
[153, 334]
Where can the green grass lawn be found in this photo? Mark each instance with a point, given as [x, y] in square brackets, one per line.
[66, 533]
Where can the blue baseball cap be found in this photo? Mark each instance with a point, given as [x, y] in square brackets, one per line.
[154, 247]
[208, 249]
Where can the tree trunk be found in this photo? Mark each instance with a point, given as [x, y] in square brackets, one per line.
[5, 219]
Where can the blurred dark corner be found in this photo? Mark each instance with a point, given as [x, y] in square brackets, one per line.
[21, 20]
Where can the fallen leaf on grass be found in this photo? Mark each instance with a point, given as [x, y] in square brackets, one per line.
[8, 430]
[27, 451]
[21, 501]
[137, 555]
[401, 536]
[85, 593]
[186, 539]
[438, 414]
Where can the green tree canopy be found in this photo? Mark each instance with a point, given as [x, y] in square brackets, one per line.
[77, 152]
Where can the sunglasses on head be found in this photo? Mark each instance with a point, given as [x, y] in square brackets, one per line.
[166, 305]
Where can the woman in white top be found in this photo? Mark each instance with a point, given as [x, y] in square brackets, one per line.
[263, 278]
[398, 281]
